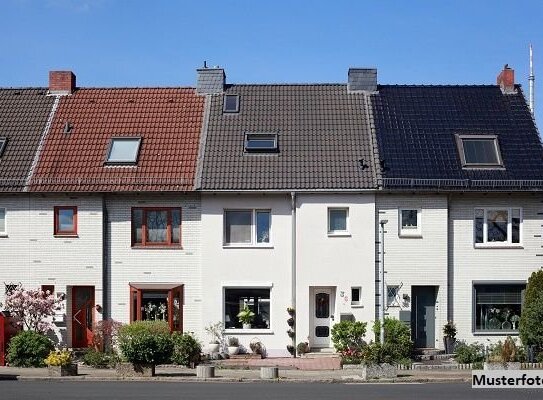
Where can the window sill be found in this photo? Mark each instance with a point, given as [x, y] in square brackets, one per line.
[66, 235]
[158, 247]
[3, 235]
[357, 306]
[498, 246]
[496, 333]
[411, 235]
[250, 331]
[247, 246]
[339, 234]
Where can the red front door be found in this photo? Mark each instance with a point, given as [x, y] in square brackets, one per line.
[82, 315]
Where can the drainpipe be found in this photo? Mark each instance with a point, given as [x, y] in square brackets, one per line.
[105, 273]
[382, 295]
[293, 263]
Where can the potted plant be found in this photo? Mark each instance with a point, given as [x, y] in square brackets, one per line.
[449, 336]
[216, 332]
[506, 355]
[233, 346]
[290, 349]
[60, 363]
[302, 348]
[246, 316]
[290, 311]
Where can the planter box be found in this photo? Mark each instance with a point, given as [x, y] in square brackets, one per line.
[127, 370]
[367, 372]
[497, 365]
[63, 370]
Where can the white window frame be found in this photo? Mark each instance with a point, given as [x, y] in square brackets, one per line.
[508, 243]
[358, 303]
[5, 232]
[254, 242]
[410, 232]
[233, 285]
[347, 231]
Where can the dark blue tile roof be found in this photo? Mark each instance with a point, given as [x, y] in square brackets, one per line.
[416, 127]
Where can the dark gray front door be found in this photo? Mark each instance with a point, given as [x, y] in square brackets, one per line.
[423, 314]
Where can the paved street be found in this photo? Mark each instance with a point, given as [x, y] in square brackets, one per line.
[14, 390]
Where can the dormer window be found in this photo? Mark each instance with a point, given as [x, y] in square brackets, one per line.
[261, 143]
[3, 141]
[123, 151]
[479, 151]
[231, 103]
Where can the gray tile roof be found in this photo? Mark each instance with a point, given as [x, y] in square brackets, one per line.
[324, 139]
[23, 116]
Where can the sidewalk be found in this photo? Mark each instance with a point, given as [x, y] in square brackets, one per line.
[178, 374]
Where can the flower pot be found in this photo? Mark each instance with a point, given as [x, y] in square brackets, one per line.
[233, 350]
[134, 370]
[498, 365]
[449, 343]
[214, 347]
[246, 326]
[377, 371]
[62, 370]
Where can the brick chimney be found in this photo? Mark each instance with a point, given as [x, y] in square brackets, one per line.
[506, 80]
[210, 80]
[61, 82]
[362, 79]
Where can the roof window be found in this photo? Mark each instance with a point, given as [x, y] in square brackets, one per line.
[3, 141]
[261, 142]
[231, 103]
[479, 151]
[123, 150]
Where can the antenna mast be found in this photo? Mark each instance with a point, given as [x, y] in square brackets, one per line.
[531, 80]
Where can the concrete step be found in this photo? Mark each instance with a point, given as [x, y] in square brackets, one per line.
[322, 352]
[428, 351]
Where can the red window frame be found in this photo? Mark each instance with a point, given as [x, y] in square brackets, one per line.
[135, 309]
[57, 231]
[169, 232]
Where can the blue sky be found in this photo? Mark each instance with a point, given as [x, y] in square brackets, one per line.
[161, 43]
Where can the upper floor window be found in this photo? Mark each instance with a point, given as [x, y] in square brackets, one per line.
[338, 221]
[156, 227]
[498, 226]
[261, 142]
[231, 103]
[479, 151]
[123, 150]
[3, 142]
[410, 222]
[2, 221]
[65, 220]
[247, 227]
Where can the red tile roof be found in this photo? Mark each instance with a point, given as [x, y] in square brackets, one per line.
[169, 121]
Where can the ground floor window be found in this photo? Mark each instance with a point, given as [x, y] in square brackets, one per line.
[160, 302]
[258, 301]
[497, 307]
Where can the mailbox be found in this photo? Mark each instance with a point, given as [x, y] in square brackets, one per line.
[8, 329]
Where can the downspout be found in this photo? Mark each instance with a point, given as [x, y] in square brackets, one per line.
[382, 294]
[293, 262]
[105, 267]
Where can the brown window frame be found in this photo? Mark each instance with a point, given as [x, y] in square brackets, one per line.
[56, 230]
[135, 312]
[168, 242]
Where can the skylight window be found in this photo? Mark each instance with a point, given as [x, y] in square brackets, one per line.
[231, 103]
[123, 150]
[261, 142]
[479, 151]
[3, 142]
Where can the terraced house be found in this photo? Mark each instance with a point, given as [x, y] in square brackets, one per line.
[189, 204]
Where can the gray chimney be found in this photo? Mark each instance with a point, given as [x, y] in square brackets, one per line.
[210, 80]
[362, 79]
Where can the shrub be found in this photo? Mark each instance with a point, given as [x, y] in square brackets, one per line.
[58, 358]
[349, 335]
[397, 338]
[146, 342]
[531, 318]
[377, 353]
[507, 351]
[97, 359]
[29, 349]
[469, 353]
[105, 334]
[186, 349]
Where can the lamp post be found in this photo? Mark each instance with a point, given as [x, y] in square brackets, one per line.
[382, 297]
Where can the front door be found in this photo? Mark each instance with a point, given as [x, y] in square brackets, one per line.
[423, 309]
[322, 317]
[82, 315]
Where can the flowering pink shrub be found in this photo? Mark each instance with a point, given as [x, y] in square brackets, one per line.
[105, 334]
[32, 307]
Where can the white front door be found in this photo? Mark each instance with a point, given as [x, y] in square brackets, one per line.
[322, 316]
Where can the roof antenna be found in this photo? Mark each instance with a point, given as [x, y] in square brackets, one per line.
[531, 80]
[205, 64]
